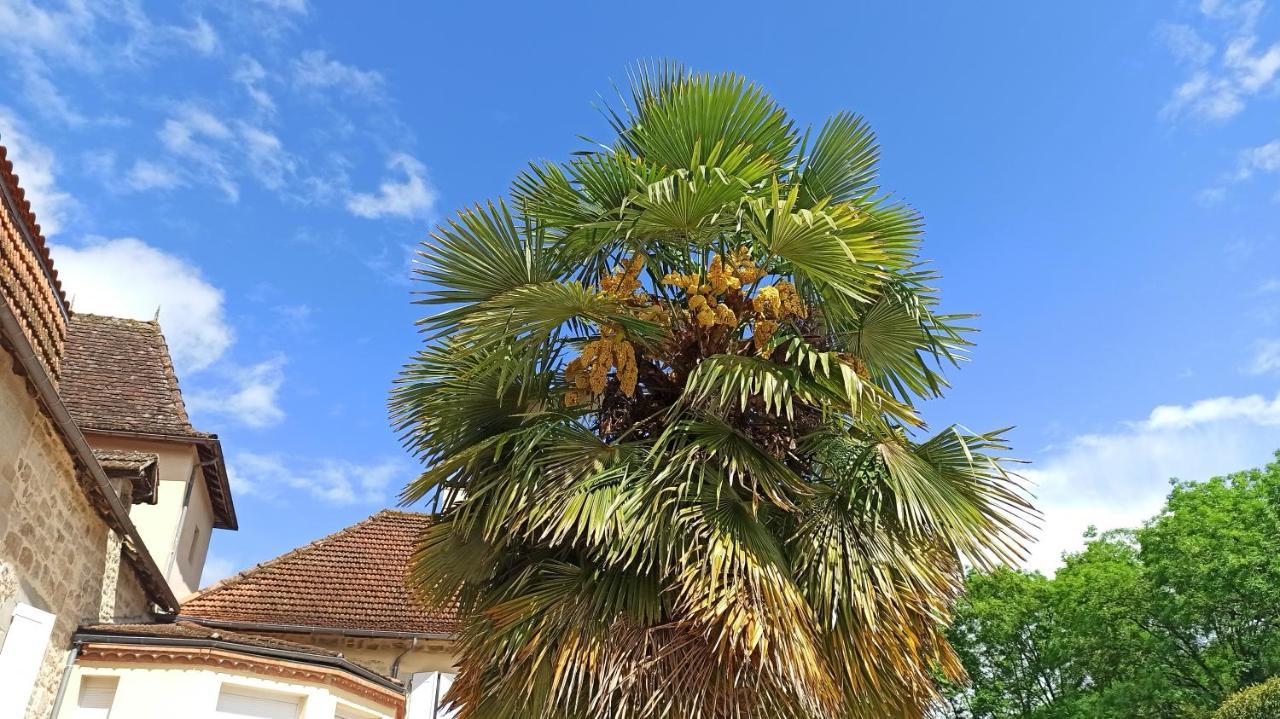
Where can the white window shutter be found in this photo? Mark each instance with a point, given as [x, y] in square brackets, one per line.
[237, 703]
[96, 696]
[423, 688]
[445, 681]
[20, 658]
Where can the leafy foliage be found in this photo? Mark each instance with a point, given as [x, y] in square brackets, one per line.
[1164, 621]
[667, 399]
[1261, 701]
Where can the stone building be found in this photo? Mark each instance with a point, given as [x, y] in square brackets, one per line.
[108, 501]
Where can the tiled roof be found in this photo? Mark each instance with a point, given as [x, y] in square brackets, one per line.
[19, 195]
[116, 376]
[139, 467]
[355, 579]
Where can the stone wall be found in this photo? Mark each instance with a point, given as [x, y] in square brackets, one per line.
[53, 545]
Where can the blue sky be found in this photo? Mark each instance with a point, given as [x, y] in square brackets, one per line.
[1100, 180]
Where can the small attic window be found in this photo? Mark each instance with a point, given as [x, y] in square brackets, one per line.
[194, 547]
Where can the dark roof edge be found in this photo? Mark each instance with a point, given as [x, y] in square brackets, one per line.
[108, 506]
[309, 629]
[214, 466]
[83, 636]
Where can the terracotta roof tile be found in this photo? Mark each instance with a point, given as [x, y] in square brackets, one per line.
[116, 376]
[354, 579]
[19, 195]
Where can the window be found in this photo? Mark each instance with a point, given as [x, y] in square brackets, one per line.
[241, 703]
[350, 712]
[195, 545]
[96, 695]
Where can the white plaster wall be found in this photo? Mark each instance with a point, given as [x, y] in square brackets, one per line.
[159, 523]
[163, 692]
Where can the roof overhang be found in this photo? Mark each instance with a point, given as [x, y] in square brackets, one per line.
[212, 465]
[107, 646]
[312, 629]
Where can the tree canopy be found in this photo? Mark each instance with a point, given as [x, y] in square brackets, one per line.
[668, 395]
[1163, 621]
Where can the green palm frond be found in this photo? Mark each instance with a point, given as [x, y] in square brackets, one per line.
[668, 399]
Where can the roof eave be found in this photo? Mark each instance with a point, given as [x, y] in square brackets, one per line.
[97, 636]
[212, 462]
[313, 629]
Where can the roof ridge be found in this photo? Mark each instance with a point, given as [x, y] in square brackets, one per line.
[99, 315]
[268, 563]
[28, 217]
[171, 375]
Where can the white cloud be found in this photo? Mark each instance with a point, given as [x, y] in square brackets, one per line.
[336, 481]
[267, 158]
[42, 43]
[194, 134]
[315, 71]
[147, 175]
[216, 567]
[1266, 358]
[1263, 158]
[102, 277]
[411, 197]
[216, 152]
[251, 396]
[1119, 479]
[1220, 92]
[294, 6]
[1185, 43]
[35, 166]
[249, 75]
[200, 36]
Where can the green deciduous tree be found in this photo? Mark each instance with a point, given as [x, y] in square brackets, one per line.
[668, 398]
[1164, 621]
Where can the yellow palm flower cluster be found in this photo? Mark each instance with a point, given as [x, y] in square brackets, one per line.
[726, 274]
[624, 281]
[772, 304]
[589, 371]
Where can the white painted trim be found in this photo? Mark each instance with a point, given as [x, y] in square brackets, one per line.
[21, 656]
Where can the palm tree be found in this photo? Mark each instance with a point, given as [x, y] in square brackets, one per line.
[668, 402]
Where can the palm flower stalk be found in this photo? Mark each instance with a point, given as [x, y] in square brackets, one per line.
[667, 403]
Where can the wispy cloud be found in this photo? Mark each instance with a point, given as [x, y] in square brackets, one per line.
[1228, 72]
[293, 6]
[314, 72]
[1120, 478]
[217, 567]
[336, 481]
[36, 166]
[407, 197]
[249, 397]
[1266, 358]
